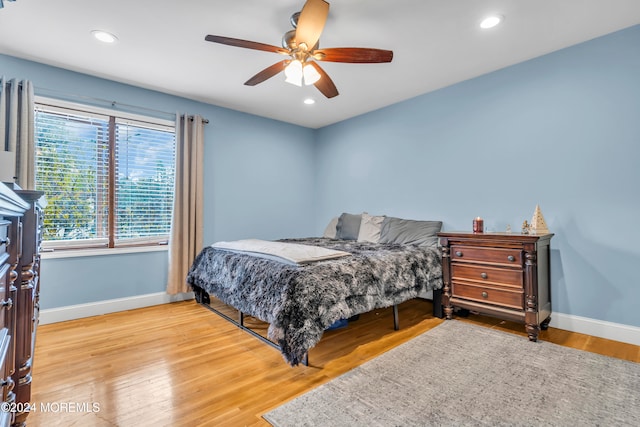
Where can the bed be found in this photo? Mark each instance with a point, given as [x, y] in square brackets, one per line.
[300, 300]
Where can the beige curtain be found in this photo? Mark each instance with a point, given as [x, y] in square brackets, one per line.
[17, 128]
[185, 241]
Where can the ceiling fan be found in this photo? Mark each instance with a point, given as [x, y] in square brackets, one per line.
[301, 45]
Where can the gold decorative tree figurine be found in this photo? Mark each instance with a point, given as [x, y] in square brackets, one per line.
[538, 224]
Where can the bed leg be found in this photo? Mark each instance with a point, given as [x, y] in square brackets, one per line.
[396, 323]
[305, 359]
[201, 296]
[240, 318]
[437, 304]
[197, 293]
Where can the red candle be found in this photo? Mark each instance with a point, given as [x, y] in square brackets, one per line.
[478, 225]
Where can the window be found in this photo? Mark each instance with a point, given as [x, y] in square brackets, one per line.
[108, 178]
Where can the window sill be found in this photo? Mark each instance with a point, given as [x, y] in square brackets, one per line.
[77, 253]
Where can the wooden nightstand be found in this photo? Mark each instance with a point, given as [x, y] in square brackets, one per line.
[506, 275]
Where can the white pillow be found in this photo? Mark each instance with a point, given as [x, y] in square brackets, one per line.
[370, 227]
[330, 231]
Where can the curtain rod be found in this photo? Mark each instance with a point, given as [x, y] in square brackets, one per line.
[109, 102]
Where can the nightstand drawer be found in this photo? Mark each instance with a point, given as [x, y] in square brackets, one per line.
[488, 295]
[510, 257]
[487, 275]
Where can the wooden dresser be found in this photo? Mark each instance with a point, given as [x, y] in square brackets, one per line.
[506, 275]
[20, 225]
[27, 304]
[12, 209]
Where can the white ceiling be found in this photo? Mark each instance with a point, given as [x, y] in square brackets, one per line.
[436, 43]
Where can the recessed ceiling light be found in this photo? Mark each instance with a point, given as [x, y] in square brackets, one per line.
[104, 36]
[491, 21]
[309, 101]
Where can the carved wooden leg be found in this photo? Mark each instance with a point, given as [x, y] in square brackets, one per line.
[531, 295]
[448, 312]
[445, 295]
[446, 302]
[532, 330]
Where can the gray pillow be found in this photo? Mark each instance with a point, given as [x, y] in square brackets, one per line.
[410, 232]
[370, 227]
[348, 226]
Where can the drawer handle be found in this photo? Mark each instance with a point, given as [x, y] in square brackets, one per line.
[511, 258]
[6, 241]
[7, 382]
[458, 253]
[485, 295]
[484, 275]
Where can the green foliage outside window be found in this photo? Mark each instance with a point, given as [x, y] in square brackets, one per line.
[72, 168]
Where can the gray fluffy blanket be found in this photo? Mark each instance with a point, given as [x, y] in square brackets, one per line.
[301, 301]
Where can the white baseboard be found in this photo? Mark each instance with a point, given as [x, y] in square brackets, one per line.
[71, 312]
[596, 328]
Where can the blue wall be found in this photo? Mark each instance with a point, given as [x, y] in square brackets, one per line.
[561, 131]
[258, 177]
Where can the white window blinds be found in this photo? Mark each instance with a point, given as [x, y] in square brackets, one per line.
[144, 180]
[108, 180]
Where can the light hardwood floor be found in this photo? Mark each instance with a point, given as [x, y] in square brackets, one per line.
[182, 365]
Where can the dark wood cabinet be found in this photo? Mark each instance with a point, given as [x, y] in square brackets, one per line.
[506, 275]
[20, 225]
[12, 209]
[27, 306]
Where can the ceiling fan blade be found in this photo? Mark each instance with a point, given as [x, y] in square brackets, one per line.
[267, 73]
[324, 84]
[311, 22]
[353, 55]
[246, 44]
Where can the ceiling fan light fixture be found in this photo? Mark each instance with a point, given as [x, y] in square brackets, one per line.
[491, 21]
[301, 45]
[293, 72]
[311, 75]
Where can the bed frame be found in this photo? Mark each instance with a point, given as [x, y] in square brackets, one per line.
[203, 298]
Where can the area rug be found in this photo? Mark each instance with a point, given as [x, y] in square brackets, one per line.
[459, 374]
